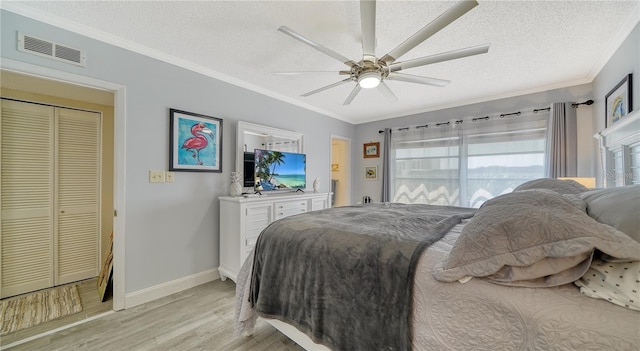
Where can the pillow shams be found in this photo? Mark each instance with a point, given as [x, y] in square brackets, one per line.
[557, 185]
[618, 207]
[524, 228]
[550, 271]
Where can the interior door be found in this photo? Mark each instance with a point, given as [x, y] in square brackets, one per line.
[50, 196]
[77, 224]
[26, 197]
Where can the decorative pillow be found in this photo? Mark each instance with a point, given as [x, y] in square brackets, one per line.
[539, 230]
[557, 185]
[616, 282]
[617, 207]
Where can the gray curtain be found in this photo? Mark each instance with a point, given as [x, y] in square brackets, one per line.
[386, 166]
[562, 141]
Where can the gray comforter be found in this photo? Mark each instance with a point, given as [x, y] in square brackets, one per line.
[344, 276]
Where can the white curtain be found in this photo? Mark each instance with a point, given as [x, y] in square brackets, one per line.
[562, 160]
[464, 163]
[426, 165]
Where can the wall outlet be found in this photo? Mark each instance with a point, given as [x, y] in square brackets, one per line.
[156, 176]
[168, 176]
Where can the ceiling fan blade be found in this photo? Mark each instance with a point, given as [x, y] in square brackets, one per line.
[368, 23]
[418, 79]
[328, 87]
[296, 73]
[353, 94]
[430, 29]
[445, 56]
[323, 49]
[384, 89]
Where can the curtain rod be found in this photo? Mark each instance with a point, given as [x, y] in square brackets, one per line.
[486, 118]
[588, 102]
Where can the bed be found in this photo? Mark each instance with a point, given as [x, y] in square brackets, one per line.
[550, 266]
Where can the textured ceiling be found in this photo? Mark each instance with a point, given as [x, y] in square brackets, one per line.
[535, 45]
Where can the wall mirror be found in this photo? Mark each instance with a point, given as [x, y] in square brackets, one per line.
[252, 136]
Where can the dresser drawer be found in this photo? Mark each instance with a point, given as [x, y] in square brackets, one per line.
[284, 209]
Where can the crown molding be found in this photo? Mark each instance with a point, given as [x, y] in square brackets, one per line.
[616, 41]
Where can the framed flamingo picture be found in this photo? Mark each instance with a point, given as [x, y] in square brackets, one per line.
[196, 142]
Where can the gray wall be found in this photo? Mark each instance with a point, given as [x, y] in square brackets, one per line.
[172, 229]
[625, 60]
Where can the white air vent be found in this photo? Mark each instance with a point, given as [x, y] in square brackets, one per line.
[41, 47]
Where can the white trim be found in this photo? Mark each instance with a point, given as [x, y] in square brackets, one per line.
[119, 186]
[53, 331]
[158, 55]
[61, 76]
[349, 164]
[165, 289]
[119, 115]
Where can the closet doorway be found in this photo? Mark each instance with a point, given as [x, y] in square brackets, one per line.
[50, 159]
[75, 111]
[340, 171]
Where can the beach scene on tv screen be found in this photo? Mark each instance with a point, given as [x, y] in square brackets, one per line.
[276, 170]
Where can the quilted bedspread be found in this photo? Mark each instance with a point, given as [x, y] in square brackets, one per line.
[483, 316]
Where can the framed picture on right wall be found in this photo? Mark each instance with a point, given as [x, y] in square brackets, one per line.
[618, 102]
[371, 173]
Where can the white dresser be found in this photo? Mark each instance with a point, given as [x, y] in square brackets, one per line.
[242, 219]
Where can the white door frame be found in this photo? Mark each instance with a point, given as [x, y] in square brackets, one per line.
[349, 163]
[119, 110]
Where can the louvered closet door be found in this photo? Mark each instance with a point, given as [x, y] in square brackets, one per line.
[78, 195]
[26, 183]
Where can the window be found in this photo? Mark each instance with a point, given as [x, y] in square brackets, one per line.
[467, 165]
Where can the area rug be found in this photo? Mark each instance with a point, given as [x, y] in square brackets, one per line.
[33, 309]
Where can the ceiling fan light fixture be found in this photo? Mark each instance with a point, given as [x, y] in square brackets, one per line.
[369, 80]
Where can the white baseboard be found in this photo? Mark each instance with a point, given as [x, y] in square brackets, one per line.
[165, 289]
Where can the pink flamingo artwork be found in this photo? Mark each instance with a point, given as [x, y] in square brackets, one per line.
[198, 141]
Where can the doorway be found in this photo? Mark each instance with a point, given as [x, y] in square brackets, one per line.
[340, 171]
[36, 84]
[117, 91]
[51, 199]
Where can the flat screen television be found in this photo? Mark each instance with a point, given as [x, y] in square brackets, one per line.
[279, 170]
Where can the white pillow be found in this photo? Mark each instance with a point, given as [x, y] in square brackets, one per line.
[616, 282]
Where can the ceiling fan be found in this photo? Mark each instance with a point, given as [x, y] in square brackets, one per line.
[371, 71]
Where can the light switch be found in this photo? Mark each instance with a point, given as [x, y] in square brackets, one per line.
[168, 176]
[156, 176]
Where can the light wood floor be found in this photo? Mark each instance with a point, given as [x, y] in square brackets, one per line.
[199, 318]
[91, 306]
